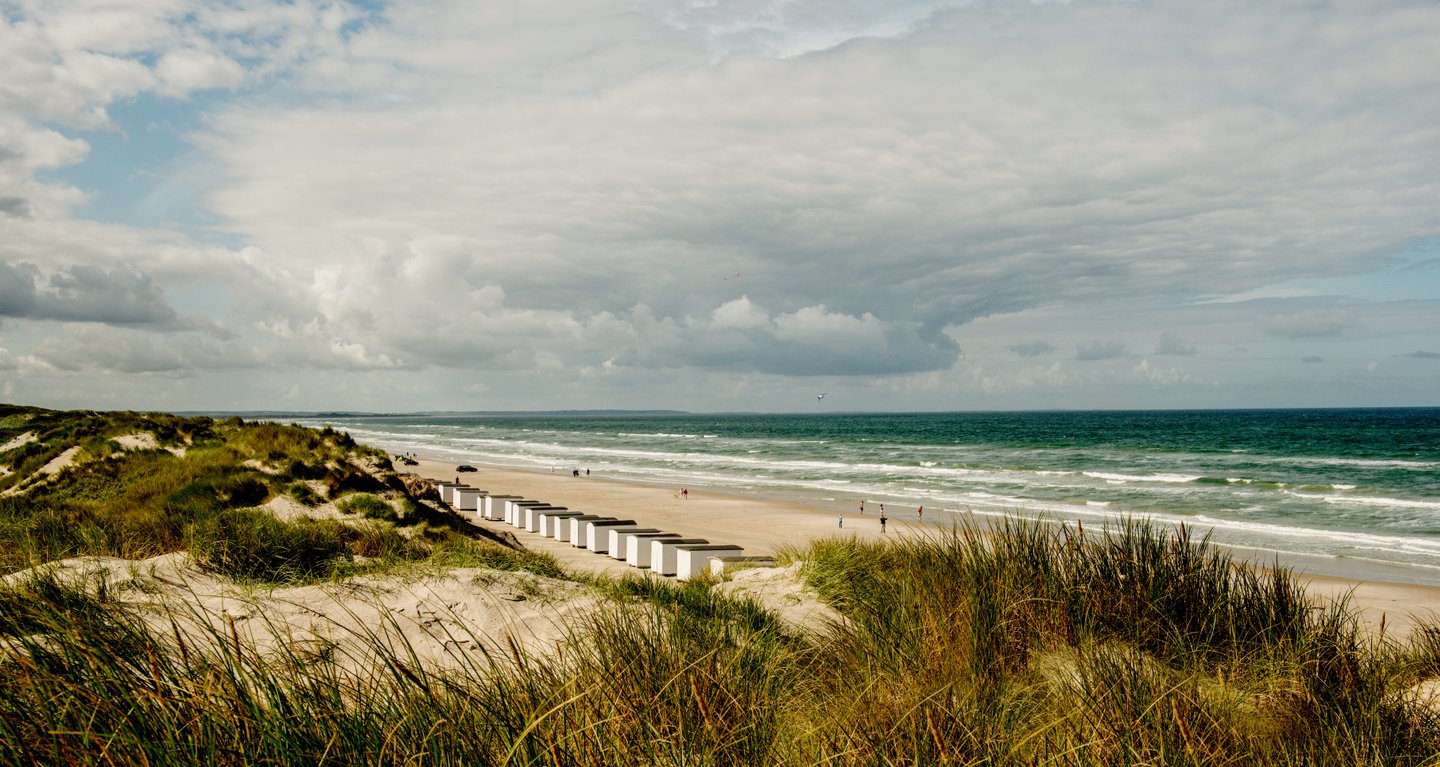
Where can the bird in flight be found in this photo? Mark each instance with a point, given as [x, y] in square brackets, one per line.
[821, 396]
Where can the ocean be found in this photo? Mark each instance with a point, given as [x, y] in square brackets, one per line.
[1348, 485]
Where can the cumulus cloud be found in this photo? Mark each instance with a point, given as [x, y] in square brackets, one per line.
[1160, 375]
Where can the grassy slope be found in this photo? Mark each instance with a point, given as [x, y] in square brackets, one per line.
[196, 490]
[1029, 646]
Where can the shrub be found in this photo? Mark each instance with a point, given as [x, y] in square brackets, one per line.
[237, 492]
[253, 545]
[302, 493]
[385, 542]
[301, 470]
[367, 506]
[348, 479]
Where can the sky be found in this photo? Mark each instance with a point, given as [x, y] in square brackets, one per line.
[719, 205]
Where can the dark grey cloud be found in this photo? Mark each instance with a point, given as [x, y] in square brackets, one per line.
[1422, 355]
[83, 293]
[1101, 350]
[121, 296]
[1032, 349]
[1312, 359]
[14, 206]
[17, 289]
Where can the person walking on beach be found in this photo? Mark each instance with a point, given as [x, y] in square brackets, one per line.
[685, 493]
[882, 518]
[862, 508]
[841, 520]
[921, 512]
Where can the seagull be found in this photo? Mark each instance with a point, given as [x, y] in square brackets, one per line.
[821, 396]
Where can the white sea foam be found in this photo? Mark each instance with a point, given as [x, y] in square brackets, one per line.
[1123, 478]
[1361, 500]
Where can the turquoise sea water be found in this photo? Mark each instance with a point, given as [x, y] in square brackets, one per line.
[1357, 484]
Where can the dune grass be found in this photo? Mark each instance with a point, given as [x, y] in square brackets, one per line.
[145, 502]
[1031, 644]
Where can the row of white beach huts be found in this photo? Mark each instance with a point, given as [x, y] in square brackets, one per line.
[638, 546]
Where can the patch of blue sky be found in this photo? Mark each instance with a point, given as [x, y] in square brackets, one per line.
[143, 170]
[1409, 271]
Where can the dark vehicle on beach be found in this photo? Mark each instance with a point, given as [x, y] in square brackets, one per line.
[465, 467]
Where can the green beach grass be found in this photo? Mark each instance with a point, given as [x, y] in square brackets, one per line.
[1026, 644]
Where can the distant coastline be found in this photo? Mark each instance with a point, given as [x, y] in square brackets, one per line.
[269, 414]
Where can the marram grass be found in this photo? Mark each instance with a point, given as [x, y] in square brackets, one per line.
[1027, 645]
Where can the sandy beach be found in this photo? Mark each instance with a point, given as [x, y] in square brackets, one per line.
[765, 526]
[761, 527]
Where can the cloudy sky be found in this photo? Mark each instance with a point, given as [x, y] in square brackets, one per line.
[719, 204]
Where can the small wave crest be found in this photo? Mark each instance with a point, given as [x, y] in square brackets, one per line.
[1115, 478]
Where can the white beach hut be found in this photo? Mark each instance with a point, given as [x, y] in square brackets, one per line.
[494, 506]
[467, 498]
[565, 528]
[637, 553]
[550, 521]
[694, 560]
[532, 516]
[447, 491]
[620, 539]
[598, 538]
[515, 511]
[580, 529]
[662, 553]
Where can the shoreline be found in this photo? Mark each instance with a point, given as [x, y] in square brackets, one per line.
[764, 527]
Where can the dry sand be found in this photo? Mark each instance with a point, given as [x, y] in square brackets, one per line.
[762, 527]
[765, 527]
[446, 619]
